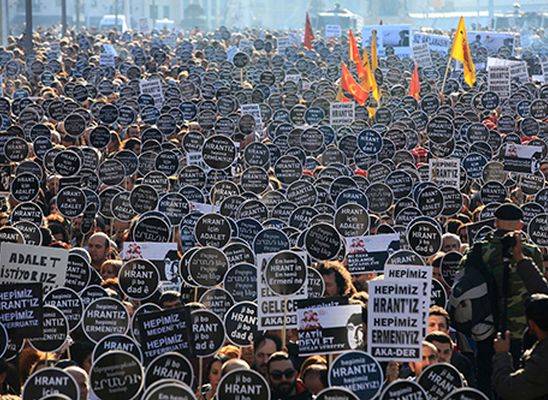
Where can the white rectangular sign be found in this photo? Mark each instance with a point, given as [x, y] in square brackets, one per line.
[499, 80]
[395, 319]
[271, 305]
[341, 114]
[20, 263]
[444, 171]
[333, 31]
[421, 54]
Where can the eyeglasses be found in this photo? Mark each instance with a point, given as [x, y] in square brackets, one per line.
[277, 375]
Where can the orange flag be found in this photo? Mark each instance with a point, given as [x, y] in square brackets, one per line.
[308, 34]
[355, 57]
[340, 96]
[351, 86]
[415, 86]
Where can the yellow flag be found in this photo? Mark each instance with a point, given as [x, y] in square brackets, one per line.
[461, 52]
[374, 60]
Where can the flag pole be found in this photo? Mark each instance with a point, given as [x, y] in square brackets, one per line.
[445, 76]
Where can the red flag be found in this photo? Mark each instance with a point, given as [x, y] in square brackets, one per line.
[308, 34]
[415, 86]
[355, 57]
[351, 86]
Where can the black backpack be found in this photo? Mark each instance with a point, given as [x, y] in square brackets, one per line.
[473, 298]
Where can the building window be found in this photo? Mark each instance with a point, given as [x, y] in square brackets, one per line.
[166, 11]
[153, 11]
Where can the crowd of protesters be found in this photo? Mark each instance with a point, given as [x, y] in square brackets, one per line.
[203, 90]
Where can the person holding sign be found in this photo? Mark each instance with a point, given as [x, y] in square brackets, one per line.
[531, 381]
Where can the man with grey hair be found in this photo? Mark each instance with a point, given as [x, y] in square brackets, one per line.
[450, 242]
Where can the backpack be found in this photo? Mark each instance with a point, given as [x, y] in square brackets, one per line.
[473, 298]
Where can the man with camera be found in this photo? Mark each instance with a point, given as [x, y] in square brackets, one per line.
[515, 267]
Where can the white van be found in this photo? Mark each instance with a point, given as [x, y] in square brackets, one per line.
[109, 22]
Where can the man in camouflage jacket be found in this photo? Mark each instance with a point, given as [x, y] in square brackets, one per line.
[518, 272]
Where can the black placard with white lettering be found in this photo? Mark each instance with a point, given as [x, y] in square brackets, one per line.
[440, 380]
[78, 272]
[75, 125]
[103, 317]
[208, 333]
[169, 365]
[152, 229]
[11, 234]
[450, 266]
[288, 169]
[25, 187]
[139, 279]
[67, 163]
[143, 198]
[212, 230]
[243, 383]
[208, 266]
[116, 375]
[88, 219]
[27, 212]
[241, 282]
[175, 206]
[336, 393]
[431, 201]
[116, 342]
[380, 197]
[439, 295]
[323, 242]
[357, 371]
[55, 330]
[351, 220]
[111, 172]
[71, 202]
[69, 303]
[403, 389]
[270, 240]
[32, 234]
[440, 129]
[538, 230]
[424, 238]
[21, 309]
[241, 323]
[165, 331]
[4, 340]
[467, 394]
[219, 152]
[16, 149]
[48, 382]
[286, 273]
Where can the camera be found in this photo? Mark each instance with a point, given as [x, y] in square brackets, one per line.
[508, 242]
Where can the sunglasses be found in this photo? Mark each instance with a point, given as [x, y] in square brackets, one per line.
[277, 375]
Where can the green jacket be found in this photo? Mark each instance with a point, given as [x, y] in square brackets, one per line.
[517, 288]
